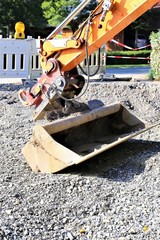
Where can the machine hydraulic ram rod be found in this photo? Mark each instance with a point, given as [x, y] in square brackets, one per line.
[68, 19]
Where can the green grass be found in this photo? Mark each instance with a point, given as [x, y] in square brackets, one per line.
[127, 65]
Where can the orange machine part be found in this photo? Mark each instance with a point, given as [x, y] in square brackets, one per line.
[120, 16]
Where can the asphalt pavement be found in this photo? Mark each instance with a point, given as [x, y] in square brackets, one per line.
[129, 71]
[121, 73]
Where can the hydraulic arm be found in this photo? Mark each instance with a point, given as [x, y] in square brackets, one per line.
[78, 137]
[60, 81]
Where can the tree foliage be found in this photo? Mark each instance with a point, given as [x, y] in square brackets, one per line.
[144, 21]
[56, 11]
[27, 11]
[37, 14]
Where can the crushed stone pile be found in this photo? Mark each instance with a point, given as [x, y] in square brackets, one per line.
[113, 196]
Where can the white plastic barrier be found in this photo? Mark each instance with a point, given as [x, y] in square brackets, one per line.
[96, 61]
[35, 67]
[19, 58]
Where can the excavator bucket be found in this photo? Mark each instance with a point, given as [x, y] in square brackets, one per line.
[65, 142]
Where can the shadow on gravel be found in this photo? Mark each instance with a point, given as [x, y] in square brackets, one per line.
[10, 87]
[9, 93]
[120, 163]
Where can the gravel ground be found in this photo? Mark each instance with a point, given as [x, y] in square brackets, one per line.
[113, 196]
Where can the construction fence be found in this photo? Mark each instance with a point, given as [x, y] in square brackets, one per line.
[19, 58]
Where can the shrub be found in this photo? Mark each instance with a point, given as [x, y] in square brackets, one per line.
[155, 55]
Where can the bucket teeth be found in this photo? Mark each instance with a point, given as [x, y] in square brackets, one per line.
[71, 107]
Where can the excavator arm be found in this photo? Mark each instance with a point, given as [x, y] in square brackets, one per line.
[79, 137]
[60, 81]
[106, 21]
